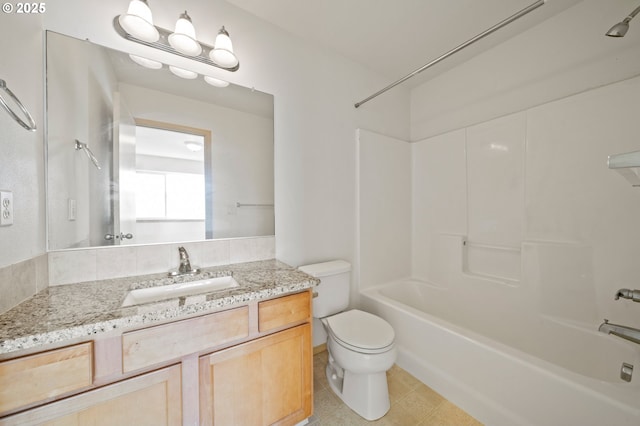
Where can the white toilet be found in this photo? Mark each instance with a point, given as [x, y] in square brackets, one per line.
[360, 345]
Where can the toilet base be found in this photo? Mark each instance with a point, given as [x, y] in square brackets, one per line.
[366, 394]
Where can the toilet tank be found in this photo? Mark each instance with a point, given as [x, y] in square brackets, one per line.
[334, 288]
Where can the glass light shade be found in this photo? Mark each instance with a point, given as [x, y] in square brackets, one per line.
[222, 53]
[138, 21]
[147, 63]
[183, 39]
[182, 73]
[194, 146]
[215, 81]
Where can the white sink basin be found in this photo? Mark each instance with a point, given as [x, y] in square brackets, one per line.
[162, 292]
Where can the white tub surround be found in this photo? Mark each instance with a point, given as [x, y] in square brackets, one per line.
[524, 236]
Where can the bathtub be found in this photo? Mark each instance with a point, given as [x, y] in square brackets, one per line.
[506, 366]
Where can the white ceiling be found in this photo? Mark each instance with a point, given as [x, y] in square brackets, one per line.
[166, 143]
[396, 37]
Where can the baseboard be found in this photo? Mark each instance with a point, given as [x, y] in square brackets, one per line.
[319, 348]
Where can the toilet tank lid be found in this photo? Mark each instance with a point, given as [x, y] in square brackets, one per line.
[324, 269]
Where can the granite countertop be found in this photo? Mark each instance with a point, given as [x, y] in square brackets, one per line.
[63, 313]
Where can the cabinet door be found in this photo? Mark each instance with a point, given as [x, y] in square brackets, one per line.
[151, 399]
[35, 378]
[263, 382]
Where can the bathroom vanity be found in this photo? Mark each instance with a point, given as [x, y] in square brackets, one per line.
[241, 356]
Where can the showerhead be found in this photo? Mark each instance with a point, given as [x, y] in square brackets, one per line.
[621, 28]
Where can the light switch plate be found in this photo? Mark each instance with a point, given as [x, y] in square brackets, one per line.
[6, 208]
[71, 209]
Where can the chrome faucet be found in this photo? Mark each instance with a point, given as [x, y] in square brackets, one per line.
[625, 293]
[628, 333]
[185, 265]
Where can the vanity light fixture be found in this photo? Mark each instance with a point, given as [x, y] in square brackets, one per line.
[137, 26]
[183, 38]
[147, 63]
[182, 73]
[138, 21]
[216, 82]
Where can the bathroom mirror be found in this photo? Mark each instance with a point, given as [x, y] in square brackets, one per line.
[138, 155]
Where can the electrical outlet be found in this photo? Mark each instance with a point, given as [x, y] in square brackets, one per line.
[6, 208]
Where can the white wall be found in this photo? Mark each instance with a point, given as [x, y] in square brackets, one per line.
[314, 116]
[545, 193]
[315, 119]
[22, 269]
[510, 185]
[21, 163]
[511, 199]
[562, 56]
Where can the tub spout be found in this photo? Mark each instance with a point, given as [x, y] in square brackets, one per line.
[627, 333]
[625, 293]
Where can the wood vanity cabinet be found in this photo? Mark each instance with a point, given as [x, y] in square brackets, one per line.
[249, 365]
[33, 378]
[267, 381]
[150, 399]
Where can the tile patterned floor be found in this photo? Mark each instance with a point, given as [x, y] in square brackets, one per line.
[412, 403]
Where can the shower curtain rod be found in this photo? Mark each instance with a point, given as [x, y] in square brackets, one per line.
[482, 35]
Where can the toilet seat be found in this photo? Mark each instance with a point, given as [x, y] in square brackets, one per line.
[361, 331]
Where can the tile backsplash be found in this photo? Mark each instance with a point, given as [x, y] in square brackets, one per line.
[22, 280]
[73, 266]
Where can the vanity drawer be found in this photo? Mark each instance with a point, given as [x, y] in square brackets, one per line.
[285, 310]
[154, 345]
[37, 377]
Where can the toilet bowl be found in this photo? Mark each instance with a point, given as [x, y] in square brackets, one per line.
[357, 368]
[360, 345]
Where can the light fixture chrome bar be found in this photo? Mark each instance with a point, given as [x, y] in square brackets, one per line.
[163, 44]
[482, 35]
